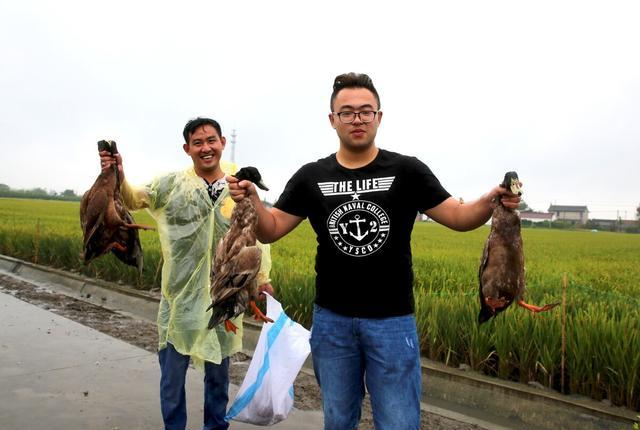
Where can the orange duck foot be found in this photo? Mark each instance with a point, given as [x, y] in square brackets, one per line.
[257, 313]
[229, 326]
[120, 247]
[537, 309]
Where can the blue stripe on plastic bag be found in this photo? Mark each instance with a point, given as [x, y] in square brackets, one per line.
[242, 401]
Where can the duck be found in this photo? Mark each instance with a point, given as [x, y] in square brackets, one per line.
[501, 271]
[106, 224]
[236, 262]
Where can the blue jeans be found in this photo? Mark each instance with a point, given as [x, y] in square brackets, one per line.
[382, 354]
[173, 368]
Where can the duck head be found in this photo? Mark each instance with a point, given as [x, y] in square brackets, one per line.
[108, 145]
[251, 174]
[512, 183]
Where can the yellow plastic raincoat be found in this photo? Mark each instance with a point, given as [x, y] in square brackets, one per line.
[189, 228]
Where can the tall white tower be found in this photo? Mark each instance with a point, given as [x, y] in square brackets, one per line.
[233, 145]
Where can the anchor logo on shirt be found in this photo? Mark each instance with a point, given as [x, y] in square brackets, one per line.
[358, 228]
[357, 220]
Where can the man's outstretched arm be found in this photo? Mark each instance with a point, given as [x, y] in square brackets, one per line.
[468, 216]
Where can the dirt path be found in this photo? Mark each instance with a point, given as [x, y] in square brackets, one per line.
[143, 334]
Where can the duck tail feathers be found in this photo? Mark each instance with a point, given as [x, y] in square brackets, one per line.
[485, 314]
[216, 318]
[220, 312]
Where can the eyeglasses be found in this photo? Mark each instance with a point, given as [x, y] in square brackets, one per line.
[347, 117]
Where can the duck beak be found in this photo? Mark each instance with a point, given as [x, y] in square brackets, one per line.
[515, 187]
[261, 185]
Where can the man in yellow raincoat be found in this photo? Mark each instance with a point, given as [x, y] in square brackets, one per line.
[192, 210]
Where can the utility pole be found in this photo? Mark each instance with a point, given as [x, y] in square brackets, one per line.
[233, 146]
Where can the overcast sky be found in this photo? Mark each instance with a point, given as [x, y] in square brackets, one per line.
[550, 89]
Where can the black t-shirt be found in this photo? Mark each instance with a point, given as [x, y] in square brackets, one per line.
[363, 220]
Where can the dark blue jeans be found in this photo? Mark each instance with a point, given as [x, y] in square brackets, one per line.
[173, 403]
[380, 353]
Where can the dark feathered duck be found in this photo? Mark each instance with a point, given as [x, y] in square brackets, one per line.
[106, 224]
[501, 272]
[237, 262]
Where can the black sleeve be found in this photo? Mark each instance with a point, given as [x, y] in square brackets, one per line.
[429, 192]
[294, 199]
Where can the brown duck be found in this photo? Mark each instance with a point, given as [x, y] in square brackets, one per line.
[501, 271]
[237, 262]
[106, 224]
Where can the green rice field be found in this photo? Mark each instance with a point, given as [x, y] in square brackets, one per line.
[600, 319]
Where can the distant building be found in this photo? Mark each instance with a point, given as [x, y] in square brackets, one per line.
[613, 224]
[576, 214]
[536, 216]
[604, 224]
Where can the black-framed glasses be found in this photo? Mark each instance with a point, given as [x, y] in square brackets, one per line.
[347, 117]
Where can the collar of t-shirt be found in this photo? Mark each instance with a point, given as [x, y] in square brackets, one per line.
[215, 188]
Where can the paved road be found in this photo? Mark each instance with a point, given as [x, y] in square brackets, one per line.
[60, 375]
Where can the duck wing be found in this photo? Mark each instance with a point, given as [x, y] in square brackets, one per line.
[93, 207]
[232, 282]
[236, 274]
[96, 242]
[485, 310]
[98, 219]
[130, 239]
[97, 237]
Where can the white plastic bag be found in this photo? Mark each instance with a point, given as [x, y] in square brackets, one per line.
[266, 394]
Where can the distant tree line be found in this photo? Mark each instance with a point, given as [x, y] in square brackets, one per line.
[38, 193]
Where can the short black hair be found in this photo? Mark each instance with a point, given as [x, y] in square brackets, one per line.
[352, 80]
[193, 124]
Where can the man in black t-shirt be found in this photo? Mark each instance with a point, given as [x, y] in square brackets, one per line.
[362, 202]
